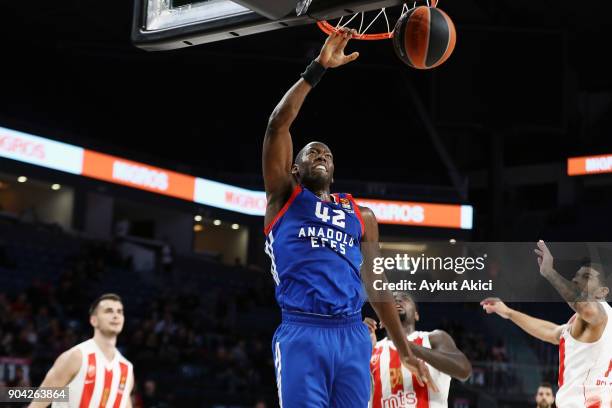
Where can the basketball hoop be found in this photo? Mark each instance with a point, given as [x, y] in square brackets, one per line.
[370, 25]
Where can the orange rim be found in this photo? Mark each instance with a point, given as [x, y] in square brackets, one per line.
[328, 29]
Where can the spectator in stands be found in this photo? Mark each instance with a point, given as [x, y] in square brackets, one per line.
[20, 379]
[167, 258]
[4, 259]
[499, 351]
[150, 398]
[26, 341]
[21, 308]
[30, 215]
[545, 397]
[186, 339]
[260, 404]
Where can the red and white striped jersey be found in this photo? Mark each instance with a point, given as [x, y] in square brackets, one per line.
[585, 369]
[394, 386]
[99, 383]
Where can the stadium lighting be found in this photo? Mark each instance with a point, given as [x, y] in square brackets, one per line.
[235, 226]
[198, 218]
[198, 228]
[217, 222]
[22, 179]
[55, 187]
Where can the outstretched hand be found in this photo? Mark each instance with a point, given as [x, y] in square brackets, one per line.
[332, 54]
[420, 371]
[545, 258]
[415, 365]
[495, 305]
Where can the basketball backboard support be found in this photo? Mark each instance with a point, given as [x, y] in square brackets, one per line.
[169, 24]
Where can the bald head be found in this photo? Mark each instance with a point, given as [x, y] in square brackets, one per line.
[314, 167]
[309, 145]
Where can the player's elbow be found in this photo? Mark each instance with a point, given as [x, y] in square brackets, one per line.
[281, 117]
[275, 120]
[465, 369]
[553, 336]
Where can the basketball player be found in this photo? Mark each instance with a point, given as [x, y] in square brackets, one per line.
[95, 372]
[393, 385]
[585, 341]
[322, 348]
[545, 397]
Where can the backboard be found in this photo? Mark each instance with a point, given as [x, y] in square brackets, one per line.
[170, 24]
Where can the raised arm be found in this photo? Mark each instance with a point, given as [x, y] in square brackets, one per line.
[538, 328]
[63, 371]
[278, 146]
[383, 303]
[588, 309]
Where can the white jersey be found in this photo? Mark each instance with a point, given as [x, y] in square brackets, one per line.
[394, 386]
[99, 383]
[585, 369]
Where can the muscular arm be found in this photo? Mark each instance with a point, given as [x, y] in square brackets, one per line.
[589, 310]
[382, 301]
[538, 328]
[444, 356]
[63, 371]
[278, 146]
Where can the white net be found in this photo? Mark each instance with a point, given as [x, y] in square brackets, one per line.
[373, 25]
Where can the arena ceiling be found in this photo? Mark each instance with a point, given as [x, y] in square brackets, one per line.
[530, 72]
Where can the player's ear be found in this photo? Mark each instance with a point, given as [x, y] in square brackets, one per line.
[294, 169]
[416, 316]
[93, 320]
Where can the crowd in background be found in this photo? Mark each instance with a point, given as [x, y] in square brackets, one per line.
[194, 334]
[186, 337]
[185, 329]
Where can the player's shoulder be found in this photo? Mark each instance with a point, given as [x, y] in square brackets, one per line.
[367, 217]
[77, 351]
[80, 349]
[71, 359]
[346, 198]
[366, 211]
[439, 334]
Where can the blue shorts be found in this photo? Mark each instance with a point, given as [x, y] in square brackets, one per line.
[322, 361]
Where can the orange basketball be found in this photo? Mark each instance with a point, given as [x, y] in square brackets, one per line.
[424, 37]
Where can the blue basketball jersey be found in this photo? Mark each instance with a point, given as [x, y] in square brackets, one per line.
[315, 251]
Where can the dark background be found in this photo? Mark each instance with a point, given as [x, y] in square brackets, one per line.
[527, 86]
[535, 72]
